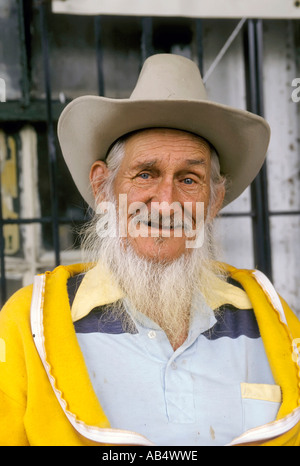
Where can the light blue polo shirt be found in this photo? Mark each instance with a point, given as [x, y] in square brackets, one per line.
[213, 388]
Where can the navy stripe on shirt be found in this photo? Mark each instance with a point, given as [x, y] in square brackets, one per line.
[232, 323]
[102, 320]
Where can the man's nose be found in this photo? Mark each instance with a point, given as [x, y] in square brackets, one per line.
[166, 191]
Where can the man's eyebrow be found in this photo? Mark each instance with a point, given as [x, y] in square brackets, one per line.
[144, 165]
[196, 162]
[147, 164]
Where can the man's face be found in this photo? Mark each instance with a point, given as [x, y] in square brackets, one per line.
[162, 167]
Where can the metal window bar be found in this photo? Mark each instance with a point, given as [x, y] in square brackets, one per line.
[25, 83]
[199, 44]
[52, 157]
[3, 290]
[146, 38]
[99, 55]
[253, 41]
[259, 213]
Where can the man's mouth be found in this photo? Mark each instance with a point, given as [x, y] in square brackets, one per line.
[161, 225]
[156, 222]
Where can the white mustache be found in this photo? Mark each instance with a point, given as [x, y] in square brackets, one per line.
[157, 219]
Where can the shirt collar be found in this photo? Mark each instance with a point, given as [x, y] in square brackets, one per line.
[99, 288]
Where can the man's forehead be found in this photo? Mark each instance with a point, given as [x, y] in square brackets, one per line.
[166, 132]
[153, 142]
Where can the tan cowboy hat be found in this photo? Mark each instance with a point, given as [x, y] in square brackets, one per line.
[169, 94]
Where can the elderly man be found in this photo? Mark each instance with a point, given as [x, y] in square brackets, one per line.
[152, 341]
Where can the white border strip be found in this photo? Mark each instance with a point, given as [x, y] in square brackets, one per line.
[182, 8]
[94, 433]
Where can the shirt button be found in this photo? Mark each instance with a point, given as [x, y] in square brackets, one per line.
[174, 365]
[152, 334]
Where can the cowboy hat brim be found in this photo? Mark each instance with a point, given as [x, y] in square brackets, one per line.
[89, 125]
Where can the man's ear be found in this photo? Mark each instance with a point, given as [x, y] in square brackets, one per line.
[218, 202]
[98, 174]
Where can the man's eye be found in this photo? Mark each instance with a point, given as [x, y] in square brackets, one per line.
[188, 181]
[144, 176]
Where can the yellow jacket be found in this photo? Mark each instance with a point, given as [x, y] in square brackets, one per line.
[46, 396]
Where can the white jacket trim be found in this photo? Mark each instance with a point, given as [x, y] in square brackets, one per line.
[269, 431]
[269, 289]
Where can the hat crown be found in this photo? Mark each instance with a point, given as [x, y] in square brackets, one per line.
[168, 77]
